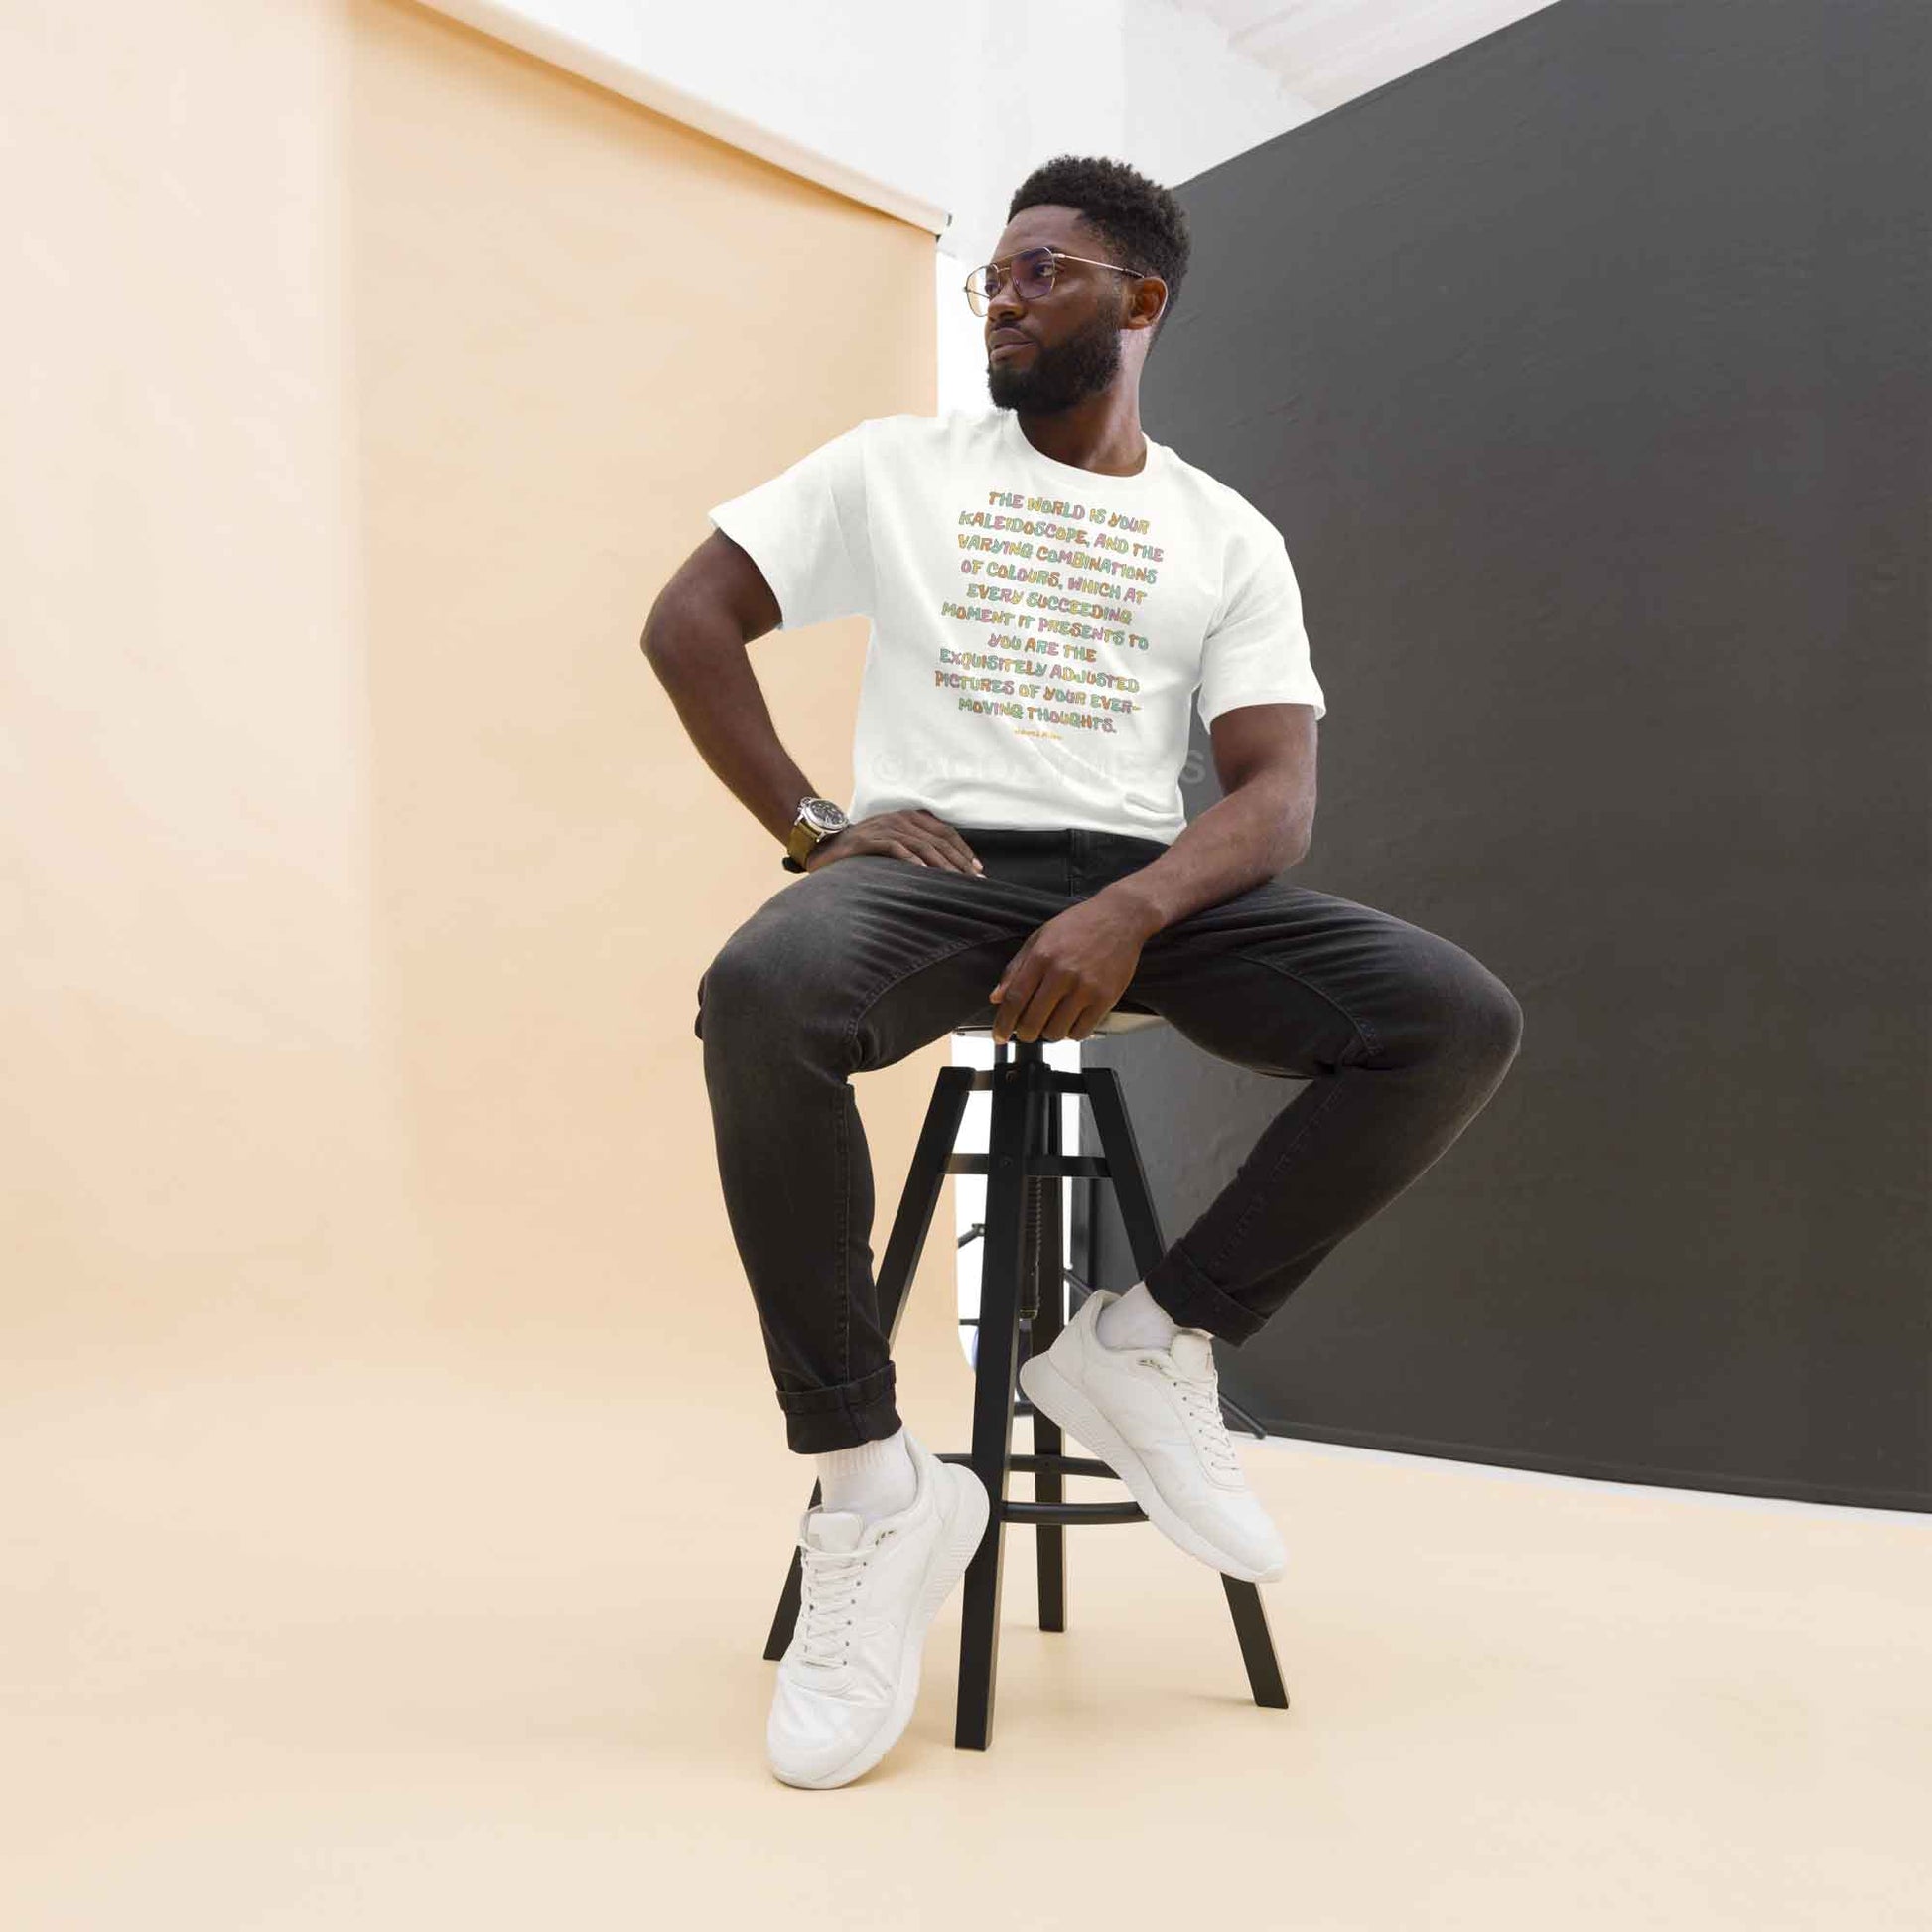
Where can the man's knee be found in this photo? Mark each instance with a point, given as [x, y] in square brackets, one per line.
[1500, 1020]
[773, 982]
[1486, 1019]
[1459, 1012]
[742, 981]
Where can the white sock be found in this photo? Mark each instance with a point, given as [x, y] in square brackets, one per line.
[876, 1478]
[1136, 1320]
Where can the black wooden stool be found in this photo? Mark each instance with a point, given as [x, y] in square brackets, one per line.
[1022, 1288]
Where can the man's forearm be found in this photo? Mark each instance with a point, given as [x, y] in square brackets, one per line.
[1255, 832]
[702, 662]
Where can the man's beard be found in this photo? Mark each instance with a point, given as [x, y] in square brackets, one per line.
[1052, 379]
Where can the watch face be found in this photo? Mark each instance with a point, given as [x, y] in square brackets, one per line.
[822, 813]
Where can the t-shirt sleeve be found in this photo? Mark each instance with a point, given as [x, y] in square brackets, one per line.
[1257, 649]
[806, 531]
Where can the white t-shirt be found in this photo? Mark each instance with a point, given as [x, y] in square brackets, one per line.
[1039, 630]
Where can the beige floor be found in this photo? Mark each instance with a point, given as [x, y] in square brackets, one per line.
[430, 1636]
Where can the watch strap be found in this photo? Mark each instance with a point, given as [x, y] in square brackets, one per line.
[803, 839]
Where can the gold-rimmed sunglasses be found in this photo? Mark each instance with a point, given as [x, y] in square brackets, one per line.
[1033, 272]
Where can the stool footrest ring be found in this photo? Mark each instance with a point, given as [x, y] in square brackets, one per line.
[1012, 1512]
[1043, 1466]
[1062, 1513]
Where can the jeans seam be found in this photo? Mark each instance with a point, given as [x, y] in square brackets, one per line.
[871, 998]
[845, 1104]
[1263, 1188]
[1364, 1031]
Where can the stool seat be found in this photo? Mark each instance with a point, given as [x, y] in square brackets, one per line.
[1122, 1019]
[1024, 1284]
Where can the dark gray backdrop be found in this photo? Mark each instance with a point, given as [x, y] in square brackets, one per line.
[1585, 373]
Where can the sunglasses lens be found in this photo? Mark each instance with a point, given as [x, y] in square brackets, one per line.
[1033, 274]
[1033, 277]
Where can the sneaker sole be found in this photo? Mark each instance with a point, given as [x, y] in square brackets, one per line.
[1051, 1392]
[958, 1541]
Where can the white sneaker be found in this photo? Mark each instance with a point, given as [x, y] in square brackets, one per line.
[849, 1677]
[1153, 1417]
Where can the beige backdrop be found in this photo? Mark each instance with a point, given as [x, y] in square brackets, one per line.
[376, 377]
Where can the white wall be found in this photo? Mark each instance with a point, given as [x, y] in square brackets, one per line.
[952, 105]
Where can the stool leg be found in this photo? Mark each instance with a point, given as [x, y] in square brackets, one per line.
[924, 1181]
[1135, 1201]
[995, 1362]
[1250, 1615]
[1048, 1297]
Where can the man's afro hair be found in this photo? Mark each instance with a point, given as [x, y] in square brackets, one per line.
[1139, 222]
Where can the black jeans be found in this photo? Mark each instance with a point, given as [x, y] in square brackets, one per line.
[1401, 1037]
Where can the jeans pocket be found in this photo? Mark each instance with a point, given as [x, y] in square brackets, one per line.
[1116, 855]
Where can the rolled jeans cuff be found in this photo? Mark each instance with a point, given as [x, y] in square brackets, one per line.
[843, 1416]
[1177, 1283]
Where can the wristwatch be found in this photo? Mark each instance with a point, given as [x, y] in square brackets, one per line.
[817, 820]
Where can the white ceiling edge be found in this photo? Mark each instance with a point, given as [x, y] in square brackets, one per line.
[504, 21]
[1332, 51]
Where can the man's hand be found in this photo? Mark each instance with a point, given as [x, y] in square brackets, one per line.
[918, 836]
[1070, 972]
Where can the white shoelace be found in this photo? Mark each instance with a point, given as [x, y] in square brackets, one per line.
[829, 1587]
[1202, 1401]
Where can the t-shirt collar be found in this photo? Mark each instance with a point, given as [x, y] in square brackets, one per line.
[1072, 471]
